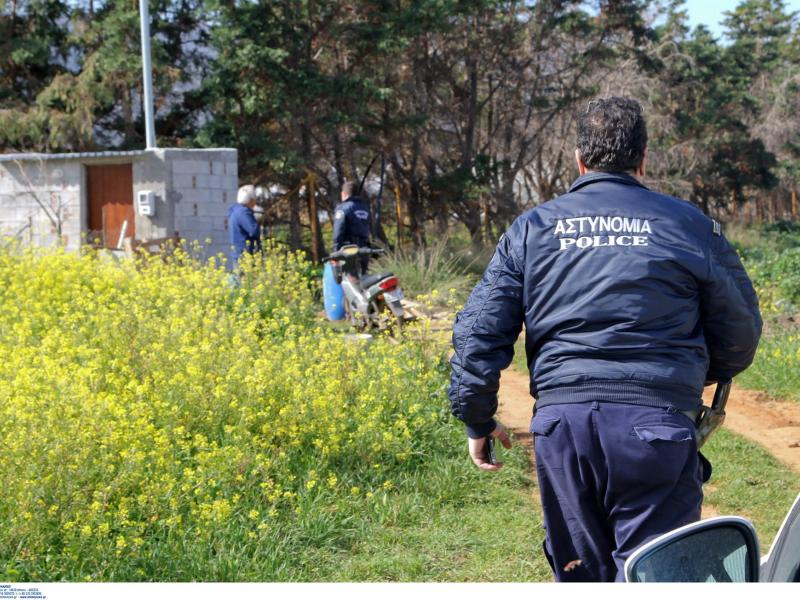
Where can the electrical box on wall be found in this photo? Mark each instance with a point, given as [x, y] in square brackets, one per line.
[146, 203]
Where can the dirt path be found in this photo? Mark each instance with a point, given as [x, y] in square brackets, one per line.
[775, 425]
[515, 405]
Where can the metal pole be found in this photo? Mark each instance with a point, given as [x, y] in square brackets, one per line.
[149, 121]
[379, 202]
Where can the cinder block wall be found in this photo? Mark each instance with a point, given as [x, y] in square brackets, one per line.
[203, 185]
[37, 198]
[151, 173]
[193, 191]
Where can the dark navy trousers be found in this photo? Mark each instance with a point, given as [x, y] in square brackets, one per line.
[612, 476]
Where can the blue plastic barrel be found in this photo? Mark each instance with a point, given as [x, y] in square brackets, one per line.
[332, 294]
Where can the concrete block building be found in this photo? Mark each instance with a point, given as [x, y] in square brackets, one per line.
[104, 197]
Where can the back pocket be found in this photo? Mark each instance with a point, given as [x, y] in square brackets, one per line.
[662, 432]
[542, 425]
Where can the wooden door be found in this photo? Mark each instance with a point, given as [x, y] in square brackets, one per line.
[110, 200]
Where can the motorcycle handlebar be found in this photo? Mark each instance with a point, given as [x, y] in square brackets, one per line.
[339, 255]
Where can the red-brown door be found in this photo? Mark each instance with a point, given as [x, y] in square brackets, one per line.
[110, 199]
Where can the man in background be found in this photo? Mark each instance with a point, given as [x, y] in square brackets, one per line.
[242, 225]
[351, 223]
[632, 301]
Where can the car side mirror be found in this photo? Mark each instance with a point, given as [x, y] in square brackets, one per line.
[722, 549]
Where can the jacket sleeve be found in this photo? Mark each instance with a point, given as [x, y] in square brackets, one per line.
[483, 338]
[339, 228]
[729, 312]
[249, 223]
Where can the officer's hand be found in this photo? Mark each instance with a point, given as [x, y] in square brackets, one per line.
[477, 449]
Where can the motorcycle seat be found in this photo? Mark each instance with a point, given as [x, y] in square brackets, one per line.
[371, 280]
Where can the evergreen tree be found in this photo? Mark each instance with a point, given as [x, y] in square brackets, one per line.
[92, 97]
[765, 48]
[33, 50]
[706, 144]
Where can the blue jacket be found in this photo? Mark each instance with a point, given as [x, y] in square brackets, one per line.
[244, 230]
[627, 295]
[351, 223]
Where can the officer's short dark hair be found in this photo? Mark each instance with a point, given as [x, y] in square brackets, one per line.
[612, 135]
[348, 188]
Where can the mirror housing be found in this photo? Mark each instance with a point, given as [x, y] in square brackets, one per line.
[722, 549]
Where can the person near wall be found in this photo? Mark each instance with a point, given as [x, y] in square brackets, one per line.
[245, 232]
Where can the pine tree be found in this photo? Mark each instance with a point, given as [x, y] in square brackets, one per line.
[91, 98]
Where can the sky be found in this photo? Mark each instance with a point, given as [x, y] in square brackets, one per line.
[709, 12]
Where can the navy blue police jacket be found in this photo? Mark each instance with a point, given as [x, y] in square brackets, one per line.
[244, 230]
[351, 223]
[627, 295]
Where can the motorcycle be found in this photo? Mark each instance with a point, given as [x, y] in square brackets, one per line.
[372, 302]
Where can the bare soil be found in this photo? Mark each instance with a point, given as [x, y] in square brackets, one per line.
[515, 406]
[774, 424]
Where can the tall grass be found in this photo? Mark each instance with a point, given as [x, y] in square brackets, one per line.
[434, 267]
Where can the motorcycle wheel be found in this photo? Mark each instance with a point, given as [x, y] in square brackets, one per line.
[357, 320]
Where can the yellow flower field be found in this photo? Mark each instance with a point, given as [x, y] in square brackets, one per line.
[158, 422]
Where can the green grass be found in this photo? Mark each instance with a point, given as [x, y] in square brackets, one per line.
[520, 362]
[748, 481]
[462, 525]
[771, 255]
[776, 368]
[445, 522]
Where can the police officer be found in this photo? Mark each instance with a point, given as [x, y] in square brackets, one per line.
[632, 301]
[351, 223]
[242, 225]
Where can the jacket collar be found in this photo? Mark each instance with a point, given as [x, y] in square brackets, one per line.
[595, 176]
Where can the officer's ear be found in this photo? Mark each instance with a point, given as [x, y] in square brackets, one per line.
[581, 167]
